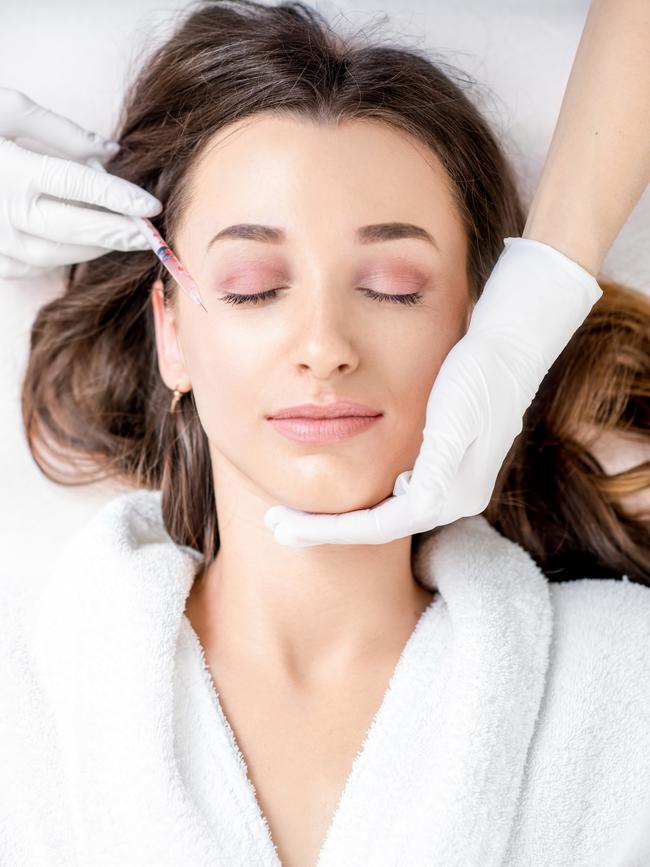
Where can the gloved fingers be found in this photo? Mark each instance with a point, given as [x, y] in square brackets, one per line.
[473, 484]
[65, 179]
[43, 253]
[75, 225]
[12, 269]
[467, 484]
[393, 518]
[458, 410]
[21, 117]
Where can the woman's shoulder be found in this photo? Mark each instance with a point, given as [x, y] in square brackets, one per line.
[18, 681]
[22, 706]
[33, 799]
[122, 534]
[600, 649]
[14, 600]
[607, 613]
[588, 767]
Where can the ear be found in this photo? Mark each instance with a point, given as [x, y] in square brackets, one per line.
[170, 355]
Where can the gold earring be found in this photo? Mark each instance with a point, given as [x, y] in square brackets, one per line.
[177, 396]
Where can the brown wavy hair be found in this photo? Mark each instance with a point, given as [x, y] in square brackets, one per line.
[552, 494]
[94, 405]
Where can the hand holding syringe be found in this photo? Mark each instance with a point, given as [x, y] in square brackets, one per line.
[160, 248]
[44, 219]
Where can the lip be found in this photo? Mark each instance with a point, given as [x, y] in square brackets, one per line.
[323, 430]
[339, 409]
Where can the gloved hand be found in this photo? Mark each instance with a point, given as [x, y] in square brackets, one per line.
[38, 233]
[533, 302]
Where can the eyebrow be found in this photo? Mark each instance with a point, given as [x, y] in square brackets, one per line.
[371, 234]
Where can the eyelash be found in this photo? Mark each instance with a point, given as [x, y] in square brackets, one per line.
[235, 298]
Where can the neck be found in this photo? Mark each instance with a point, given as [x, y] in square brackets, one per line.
[304, 613]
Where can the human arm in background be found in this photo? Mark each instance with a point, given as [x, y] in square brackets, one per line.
[598, 163]
[539, 293]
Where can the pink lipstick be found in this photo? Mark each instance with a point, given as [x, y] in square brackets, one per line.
[324, 422]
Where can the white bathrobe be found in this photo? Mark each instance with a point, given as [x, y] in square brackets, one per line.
[515, 729]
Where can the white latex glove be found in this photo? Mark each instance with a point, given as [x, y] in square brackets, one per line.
[533, 302]
[38, 233]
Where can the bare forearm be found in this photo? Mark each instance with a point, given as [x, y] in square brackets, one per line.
[598, 163]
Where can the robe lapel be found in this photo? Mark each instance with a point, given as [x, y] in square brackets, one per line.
[501, 623]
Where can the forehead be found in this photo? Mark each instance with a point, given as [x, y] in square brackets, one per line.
[286, 170]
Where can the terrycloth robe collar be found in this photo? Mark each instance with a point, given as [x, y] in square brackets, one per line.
[106, 632]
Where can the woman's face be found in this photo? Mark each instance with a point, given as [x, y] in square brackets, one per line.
[321, 337]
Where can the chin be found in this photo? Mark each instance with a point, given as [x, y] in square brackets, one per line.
[330, 504]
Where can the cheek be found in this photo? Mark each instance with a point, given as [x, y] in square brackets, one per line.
[413, 371]
[411, 392]
[227, 374]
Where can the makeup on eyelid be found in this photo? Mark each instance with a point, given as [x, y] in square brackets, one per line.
[257, 285]
[405, 299]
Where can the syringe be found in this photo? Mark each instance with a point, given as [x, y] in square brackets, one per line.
[160, 248]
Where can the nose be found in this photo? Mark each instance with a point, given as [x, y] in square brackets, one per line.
[324, 341]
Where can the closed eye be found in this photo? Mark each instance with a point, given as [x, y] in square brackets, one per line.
[235, 298]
